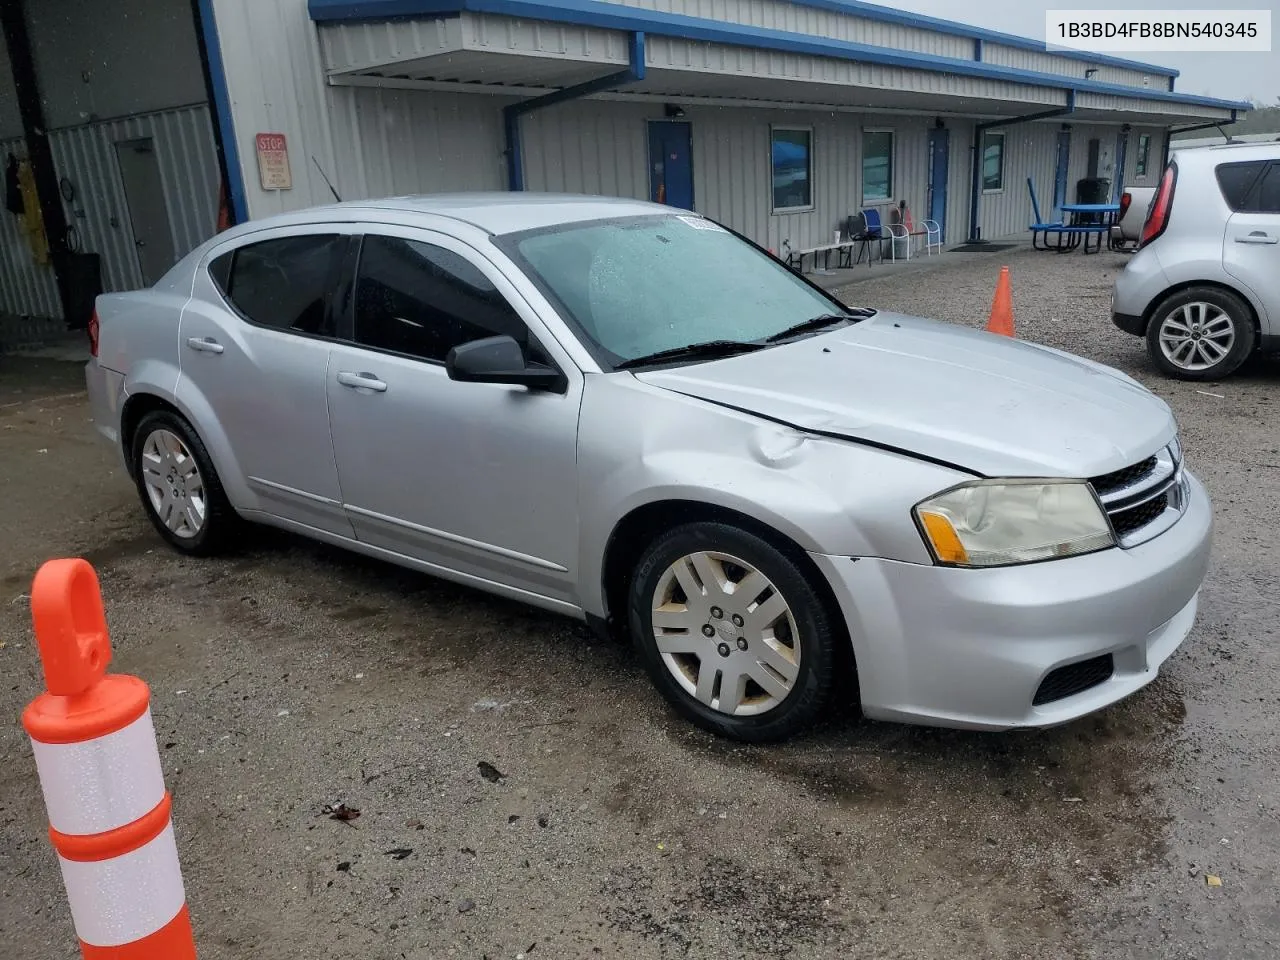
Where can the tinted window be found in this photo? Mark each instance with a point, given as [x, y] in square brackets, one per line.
[1235, 179]
[220, 270]
[284, 283]
[423, 300]
[1269, 191]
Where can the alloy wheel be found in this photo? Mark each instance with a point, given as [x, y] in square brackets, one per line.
[726, 633]
[173, 484]
[1197, 336]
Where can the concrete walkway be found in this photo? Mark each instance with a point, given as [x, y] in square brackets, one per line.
[835, 279]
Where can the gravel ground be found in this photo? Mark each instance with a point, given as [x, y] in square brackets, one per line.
[290, 676]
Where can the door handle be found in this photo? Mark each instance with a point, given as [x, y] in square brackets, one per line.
[1257, 236]
[205, 344]
[361, 381]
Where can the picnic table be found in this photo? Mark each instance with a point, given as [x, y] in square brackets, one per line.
[1089, 219]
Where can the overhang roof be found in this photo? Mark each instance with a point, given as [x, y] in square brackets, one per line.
[840, 74]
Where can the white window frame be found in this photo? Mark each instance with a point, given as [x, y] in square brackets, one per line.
[982, 159]
[893, 164]
[813, 199]
[1143, 158]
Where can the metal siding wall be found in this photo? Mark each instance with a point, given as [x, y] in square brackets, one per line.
[602, 147]
[99, 59]
[1031, 150]
[958, 173]
[677, 54]
[271, 56]
[188, 172]
[99, 213]
[1045, 62]
[394, 143]
[591, 147]
[356, 46]
[781, 15]
[26, 288]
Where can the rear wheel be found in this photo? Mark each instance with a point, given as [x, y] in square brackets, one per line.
[1203, 333]
[732, 632]
[178, 485]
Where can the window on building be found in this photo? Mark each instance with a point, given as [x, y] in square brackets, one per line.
[1144, 155]
[877, 165]
[422, 300]
[1236, 181]
[992, 162]
[792, 161]
[283, 283]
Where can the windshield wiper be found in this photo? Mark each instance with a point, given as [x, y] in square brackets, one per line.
[709, 350]
[821, 322]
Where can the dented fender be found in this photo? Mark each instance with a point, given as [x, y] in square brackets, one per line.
[641, 444]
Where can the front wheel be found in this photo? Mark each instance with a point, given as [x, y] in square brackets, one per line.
[1203, 333]
[732, 632]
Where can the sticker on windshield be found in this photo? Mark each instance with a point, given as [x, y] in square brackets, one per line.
[698, 223]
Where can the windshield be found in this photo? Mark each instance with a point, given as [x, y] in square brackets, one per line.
[643, 285]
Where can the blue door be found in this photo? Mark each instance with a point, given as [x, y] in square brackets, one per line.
[671, 163]
[1122, 148]
[1060, 175]
[939, 157]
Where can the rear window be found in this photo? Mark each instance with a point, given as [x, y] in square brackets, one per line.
[1236, 180]
[283, 283]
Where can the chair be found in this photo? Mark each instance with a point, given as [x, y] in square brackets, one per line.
[862, 232]
[897, 230]
[1040, 226]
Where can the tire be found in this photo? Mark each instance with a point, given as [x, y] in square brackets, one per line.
[767, 675]
[1202, 333]
[167, 456]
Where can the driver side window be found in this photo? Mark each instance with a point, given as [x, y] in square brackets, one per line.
[421, 300]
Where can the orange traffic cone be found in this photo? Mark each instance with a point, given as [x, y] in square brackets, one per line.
[1001, 321]
[99, 768]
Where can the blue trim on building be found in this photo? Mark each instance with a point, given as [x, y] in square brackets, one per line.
[853, 8]
[611, 16]
[873, 11]
[222, 113]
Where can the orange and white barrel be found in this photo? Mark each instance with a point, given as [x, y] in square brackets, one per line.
[95, 751]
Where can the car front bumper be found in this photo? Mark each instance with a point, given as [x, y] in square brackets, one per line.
[970, 648]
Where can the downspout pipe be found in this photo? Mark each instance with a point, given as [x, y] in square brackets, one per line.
[511, 115]
[1168, 139]
[975, 194]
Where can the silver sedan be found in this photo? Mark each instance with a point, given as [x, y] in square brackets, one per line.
[631, 415]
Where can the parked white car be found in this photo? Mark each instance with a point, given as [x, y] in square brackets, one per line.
[630, 415]
[1204, 286]
[1135, 203]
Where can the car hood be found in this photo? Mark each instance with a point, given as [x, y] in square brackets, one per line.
[991, 405]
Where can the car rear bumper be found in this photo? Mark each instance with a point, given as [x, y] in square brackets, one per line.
[107, 395]
[972, 648]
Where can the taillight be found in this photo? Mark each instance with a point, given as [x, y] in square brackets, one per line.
[93, 334]
[1126, 200]
[1158, 215]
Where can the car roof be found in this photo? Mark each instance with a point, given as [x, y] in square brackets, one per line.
[1220, 152]
[494, 212]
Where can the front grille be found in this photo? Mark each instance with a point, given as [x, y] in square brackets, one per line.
[1111, 482]
[1135, 518]
[1074, 678]
[1138, 498]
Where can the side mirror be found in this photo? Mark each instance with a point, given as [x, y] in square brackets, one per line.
[500, 360]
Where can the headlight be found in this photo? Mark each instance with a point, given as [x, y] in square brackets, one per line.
[993, 523]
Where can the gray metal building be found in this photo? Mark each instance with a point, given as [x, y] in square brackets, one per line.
[778, 117]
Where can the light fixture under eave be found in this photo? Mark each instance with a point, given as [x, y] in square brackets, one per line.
[673, 111]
